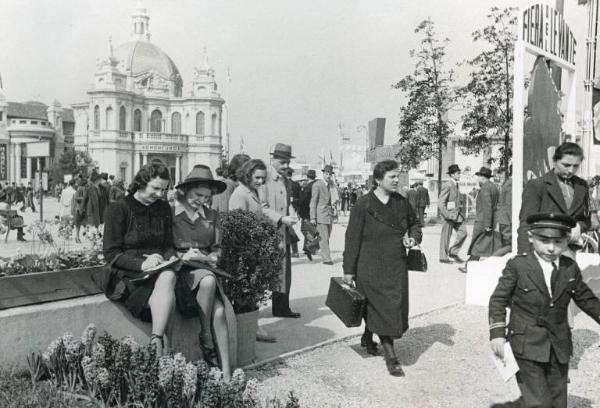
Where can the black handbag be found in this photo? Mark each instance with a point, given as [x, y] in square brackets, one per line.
[416, 260]
[108, 282]
[347, 303]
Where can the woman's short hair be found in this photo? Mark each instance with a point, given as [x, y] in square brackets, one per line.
[383, 167]
[236, 162]
[147, 173]
[247, 170]
[567, 149]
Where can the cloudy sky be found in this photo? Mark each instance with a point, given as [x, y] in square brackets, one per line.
[298, 68]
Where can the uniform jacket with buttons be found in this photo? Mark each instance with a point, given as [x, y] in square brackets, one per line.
[538, 321]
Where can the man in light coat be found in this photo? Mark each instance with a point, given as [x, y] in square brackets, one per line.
[66, 200]
[274, 195]
[321, 211]
[451, 210]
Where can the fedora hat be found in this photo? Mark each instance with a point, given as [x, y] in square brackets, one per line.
[282, 151]
[201, 174]
[328, 168]
[453, 168]
[485, 172]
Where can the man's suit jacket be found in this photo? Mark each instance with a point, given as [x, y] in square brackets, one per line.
[320, 203]
[413, 198]
[450, 194]
[504, 216]
[423, 197]
[539, 321]
[543, 195]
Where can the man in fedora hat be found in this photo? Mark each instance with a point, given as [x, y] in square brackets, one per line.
[274, 194]
[321, 211]
[451, 210]
[484, 241]
[311, 244]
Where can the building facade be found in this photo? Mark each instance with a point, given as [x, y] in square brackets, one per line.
[26, 126]
[136, 112]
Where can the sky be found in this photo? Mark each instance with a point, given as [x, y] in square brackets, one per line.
[298, 68]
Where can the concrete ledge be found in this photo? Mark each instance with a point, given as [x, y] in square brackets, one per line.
[28, 329]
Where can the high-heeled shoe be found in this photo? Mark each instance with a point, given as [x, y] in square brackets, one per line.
[366, 340]
[210, 354]
[391, 361]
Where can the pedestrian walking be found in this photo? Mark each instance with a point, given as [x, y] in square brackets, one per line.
[103, 195]
[66, 200]
[273, 194]
[451, 209]
[92, 201]
[322, 213]
[538, 287]
[375, 257]
[422, 202]
[79, 207]
[483, 241]
[310, 243]
[294, 193]
[345, 197]
[557, 191]
[412, 195]
[505, 211]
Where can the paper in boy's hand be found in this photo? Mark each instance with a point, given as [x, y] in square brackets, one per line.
[507, 367]
[451, 205]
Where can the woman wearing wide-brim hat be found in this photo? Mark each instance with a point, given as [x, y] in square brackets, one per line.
[197, 238]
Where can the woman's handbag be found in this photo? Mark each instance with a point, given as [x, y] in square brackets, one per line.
[416, 260]
[105, 279]
[347, 303]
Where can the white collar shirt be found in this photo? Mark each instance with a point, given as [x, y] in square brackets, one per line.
[547, 268]
[179, 208]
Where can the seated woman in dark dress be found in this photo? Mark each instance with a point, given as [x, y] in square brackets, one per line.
[138, 235]
[197, 238]
[381, 227]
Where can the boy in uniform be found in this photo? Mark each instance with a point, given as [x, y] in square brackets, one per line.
[538, 287]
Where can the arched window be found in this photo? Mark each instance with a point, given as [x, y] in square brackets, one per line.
[96, 117]
[214, 126]
[122, 118]
[109, 123]
[137, 120]
[176, 122]
[156, 121]
[200, 123]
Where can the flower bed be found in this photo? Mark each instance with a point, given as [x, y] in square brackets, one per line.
[122, 373]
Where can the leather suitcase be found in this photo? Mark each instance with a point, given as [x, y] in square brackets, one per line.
[346, 302]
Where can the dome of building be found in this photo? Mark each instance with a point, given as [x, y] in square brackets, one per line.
[143, 56]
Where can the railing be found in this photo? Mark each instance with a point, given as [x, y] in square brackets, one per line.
[162, 137]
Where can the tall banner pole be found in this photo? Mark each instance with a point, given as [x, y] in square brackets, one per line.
[518, 121]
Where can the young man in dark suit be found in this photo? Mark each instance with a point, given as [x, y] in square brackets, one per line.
[538, 286]
[558, 191]
[422, 203]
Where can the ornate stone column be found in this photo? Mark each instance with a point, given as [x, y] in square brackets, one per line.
[136, 163]
[144, 159]
[29, 169]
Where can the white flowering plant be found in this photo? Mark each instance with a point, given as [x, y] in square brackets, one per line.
[122, 373]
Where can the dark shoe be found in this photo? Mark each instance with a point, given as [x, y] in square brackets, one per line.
[21, 239]
[463, 269]
[446, 261]
[328, 263]
[308, 255]
[290, 314]
[366, 340]
[457, 258]
[391, 361]
[394, 367]
[158, 343]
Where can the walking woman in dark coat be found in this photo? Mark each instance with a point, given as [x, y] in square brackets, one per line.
[138, 235]
[375, 256]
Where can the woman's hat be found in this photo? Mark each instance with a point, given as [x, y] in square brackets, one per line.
[453, 168]
[282, 151]
[485, 172]
[201, 174]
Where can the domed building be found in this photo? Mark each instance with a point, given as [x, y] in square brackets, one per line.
[137, 113]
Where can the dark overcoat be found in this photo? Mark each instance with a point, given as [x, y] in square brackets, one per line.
[375, 254]
[538, 321]
[486, 208]
[92, 205]
[543, 195]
